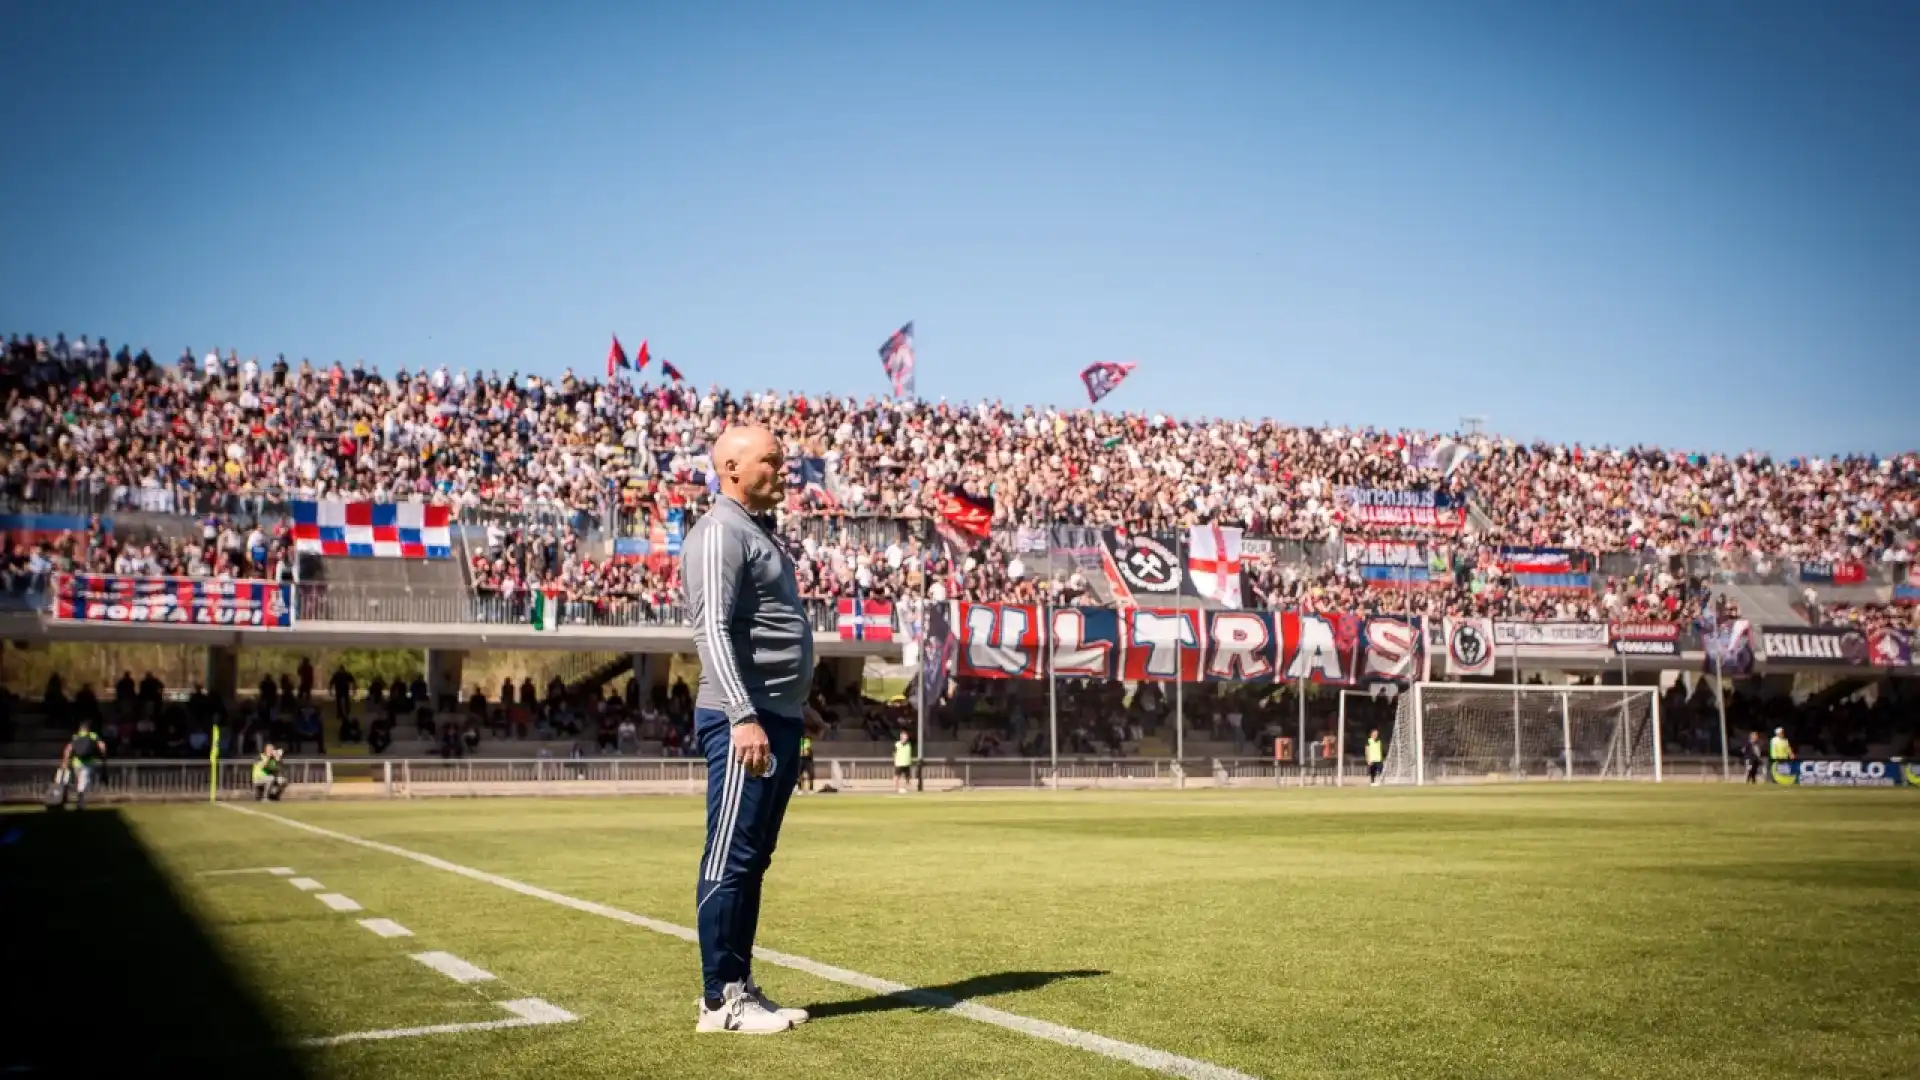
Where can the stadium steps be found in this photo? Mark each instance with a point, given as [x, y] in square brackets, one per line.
[437, 574]
[597, 678]
[1825, 690]
[1763, 605]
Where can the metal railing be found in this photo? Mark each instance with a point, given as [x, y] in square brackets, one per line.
[441, 605]
[403, 778]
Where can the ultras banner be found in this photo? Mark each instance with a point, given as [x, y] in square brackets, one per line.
[193, 602]
[1009, 641]
[1811, 646]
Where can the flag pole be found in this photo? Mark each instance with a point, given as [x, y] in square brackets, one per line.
[1720, 703]
[1053, 694]
[1179, 668]
[920, 699]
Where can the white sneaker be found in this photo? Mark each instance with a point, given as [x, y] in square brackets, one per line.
[740, 1014]
[795, 1017]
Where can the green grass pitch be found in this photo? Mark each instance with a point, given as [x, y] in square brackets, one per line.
[1523, 932]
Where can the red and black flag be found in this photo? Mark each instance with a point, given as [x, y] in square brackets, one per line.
[617, 357]
[1104, 377]
[970, 514]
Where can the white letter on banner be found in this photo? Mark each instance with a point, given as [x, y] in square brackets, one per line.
[1163, 635]
[993, 639]
[1071, 653]
[1391, 649]
[1316, 653]
[1238, 646]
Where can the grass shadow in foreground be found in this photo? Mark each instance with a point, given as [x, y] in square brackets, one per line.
[111, 968]
[947, 995]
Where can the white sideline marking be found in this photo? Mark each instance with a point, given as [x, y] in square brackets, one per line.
[337, 902]
[306, 884]
[527, 1012]
[276, 871]
[386, 928]
[1144, 1056]
[453, 967]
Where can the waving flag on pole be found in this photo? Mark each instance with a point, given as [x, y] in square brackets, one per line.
[617, 356]
[896, 357]
[1104, 377]
[1213, 563]
[671, 372]
[640, 358]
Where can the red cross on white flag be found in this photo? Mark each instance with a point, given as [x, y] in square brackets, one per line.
[1213, 562]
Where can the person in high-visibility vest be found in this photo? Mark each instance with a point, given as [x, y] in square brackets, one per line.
[267, 783]
[1780, 749]
[806, 763]
[1375, 755]
[79, 760]
[902, 762]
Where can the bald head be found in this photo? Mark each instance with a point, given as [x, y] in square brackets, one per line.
[753, 470]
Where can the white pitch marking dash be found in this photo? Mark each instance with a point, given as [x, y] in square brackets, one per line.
[276, 871]
[305, 884]
[337, 902]
[527, 1012]
[453, 967]
[386, 928]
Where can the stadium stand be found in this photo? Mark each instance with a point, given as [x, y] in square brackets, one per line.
[116, 463]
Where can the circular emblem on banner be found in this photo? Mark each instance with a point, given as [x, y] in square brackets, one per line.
[1468, 646]
[1854, 650]
[1147, 564]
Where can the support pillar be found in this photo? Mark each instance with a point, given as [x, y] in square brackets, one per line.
[445, 668]
[650, 675]
[223, 673]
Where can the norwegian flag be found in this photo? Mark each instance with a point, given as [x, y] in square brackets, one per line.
[866, 620]
[896, 358]
[1103, 377]
[1213, 563]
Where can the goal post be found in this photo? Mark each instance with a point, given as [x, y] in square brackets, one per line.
[1451, 733]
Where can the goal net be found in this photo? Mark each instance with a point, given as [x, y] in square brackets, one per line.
[1450, 733]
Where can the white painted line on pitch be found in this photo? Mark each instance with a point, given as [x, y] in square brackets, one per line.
[527, 1012]
[453, 967]
[386, 928]
[276, 871]
[306, 884]
[337, 902]
[1144, 1056]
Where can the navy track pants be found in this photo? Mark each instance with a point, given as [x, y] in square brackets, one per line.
[743, 825]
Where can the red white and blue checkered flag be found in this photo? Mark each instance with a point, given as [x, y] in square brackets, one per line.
[1104, 377]
[896, 357]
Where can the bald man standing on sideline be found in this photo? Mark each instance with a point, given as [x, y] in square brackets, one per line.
[756, 667]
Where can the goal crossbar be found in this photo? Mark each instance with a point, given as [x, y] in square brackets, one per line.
[1478, 732]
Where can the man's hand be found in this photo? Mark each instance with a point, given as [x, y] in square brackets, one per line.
[750, 747]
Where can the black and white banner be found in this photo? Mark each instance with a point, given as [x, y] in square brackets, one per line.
[1469, 646]
[1834, 646]
[1644, 638]
[1571, 636]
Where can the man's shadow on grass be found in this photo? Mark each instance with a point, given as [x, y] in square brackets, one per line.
[947, 995]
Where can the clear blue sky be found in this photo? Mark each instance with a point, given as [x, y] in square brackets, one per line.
[1696, 225]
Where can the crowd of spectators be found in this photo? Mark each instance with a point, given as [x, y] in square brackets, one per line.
[215, 431]
[223, 549]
